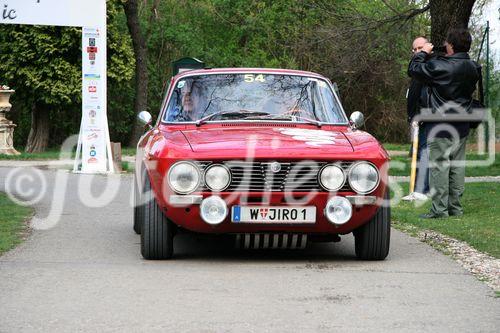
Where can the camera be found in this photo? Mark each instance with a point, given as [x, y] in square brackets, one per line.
[439, 49]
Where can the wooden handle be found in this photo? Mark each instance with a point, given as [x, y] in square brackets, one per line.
[413, 174]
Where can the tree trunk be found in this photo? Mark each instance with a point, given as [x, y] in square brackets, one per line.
[38, 138]
[141, 67]
[446, 14]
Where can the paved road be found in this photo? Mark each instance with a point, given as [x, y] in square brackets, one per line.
[86, 274]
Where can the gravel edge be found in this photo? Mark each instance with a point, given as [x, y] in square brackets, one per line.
[483, 266]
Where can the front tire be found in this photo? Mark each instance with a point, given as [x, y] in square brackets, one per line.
[372, 240]
[157, 232]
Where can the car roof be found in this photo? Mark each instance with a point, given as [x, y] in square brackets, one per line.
[239, 70]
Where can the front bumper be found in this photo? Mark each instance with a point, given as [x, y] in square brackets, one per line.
[184, 211]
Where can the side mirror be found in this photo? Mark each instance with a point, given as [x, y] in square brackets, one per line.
[145, 118]
[357, 119]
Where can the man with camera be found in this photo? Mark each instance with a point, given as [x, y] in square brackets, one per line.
[450, 80]
[416, 96]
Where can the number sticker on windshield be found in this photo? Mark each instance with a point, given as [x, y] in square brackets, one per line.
[249, 78]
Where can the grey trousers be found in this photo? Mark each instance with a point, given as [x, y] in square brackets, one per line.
[447, 177]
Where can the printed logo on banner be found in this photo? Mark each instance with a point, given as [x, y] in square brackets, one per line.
[92, 77]
[92, 136]
[92, 82]
[92, 93]
[91, 50]
[92, 151]
[91, 33]
[70, 13]
[92, 117]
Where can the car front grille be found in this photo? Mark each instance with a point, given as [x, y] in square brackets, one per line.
[255, 176]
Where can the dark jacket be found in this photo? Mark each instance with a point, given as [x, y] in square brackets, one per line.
[413, 104]
[451, 81]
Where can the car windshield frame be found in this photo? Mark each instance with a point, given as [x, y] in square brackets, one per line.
[165, 105]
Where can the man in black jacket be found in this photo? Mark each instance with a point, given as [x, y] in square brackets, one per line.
[451, 80]
[415, 89]
[415, 97]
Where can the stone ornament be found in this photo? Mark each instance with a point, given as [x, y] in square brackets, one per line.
[6, 126]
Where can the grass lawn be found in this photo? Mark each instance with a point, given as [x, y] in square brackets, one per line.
[12, 223]
[397, 146]
[50, 154]
[53, 154]
[479, 226]
[477, 171]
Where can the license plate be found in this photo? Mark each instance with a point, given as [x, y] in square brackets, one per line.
[270, 215]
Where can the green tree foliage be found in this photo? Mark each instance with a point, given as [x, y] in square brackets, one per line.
[224, 34]
[352, 42]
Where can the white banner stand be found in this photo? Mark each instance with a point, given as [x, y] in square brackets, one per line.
[93, 153]
[94, 148]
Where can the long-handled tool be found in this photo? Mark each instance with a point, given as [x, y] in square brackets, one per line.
[413, 174]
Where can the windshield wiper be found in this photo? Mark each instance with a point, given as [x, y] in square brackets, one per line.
[310, 121]
[269, 116]
[244, 113]
[289, 118]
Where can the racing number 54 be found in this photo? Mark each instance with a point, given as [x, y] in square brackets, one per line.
[252, 78]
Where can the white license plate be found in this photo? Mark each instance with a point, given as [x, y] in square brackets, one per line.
[270, 215]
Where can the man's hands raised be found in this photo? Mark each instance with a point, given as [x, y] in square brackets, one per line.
[428, 48]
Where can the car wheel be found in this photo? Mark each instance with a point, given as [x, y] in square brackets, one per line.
[372, 239]
[157, 232]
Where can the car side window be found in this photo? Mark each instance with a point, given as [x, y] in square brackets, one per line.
[174, 106]
[331, 107]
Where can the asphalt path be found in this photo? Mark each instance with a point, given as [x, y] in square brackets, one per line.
[86, 274]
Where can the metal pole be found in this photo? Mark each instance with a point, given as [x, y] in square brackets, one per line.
[481, 46]
[483, 132]
[487, 85]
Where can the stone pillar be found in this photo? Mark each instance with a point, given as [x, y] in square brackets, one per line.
[6, 126]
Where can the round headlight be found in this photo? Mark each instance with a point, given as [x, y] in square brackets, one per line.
[363, 177]
[217, 177]
[332, 177]
[184, 177]
[338, 210]
[213, 210]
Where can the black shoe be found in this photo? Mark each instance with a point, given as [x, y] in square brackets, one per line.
[456, 214]
[432, 216]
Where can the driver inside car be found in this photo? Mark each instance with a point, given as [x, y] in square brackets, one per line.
[186, 109]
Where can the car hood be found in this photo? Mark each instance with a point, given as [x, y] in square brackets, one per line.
[265, 142]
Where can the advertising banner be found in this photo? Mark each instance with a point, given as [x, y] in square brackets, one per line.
[74, 13]
[93, 143]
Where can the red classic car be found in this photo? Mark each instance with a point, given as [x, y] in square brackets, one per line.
[265, 155]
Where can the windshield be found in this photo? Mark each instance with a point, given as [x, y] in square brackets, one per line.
[223, 97]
